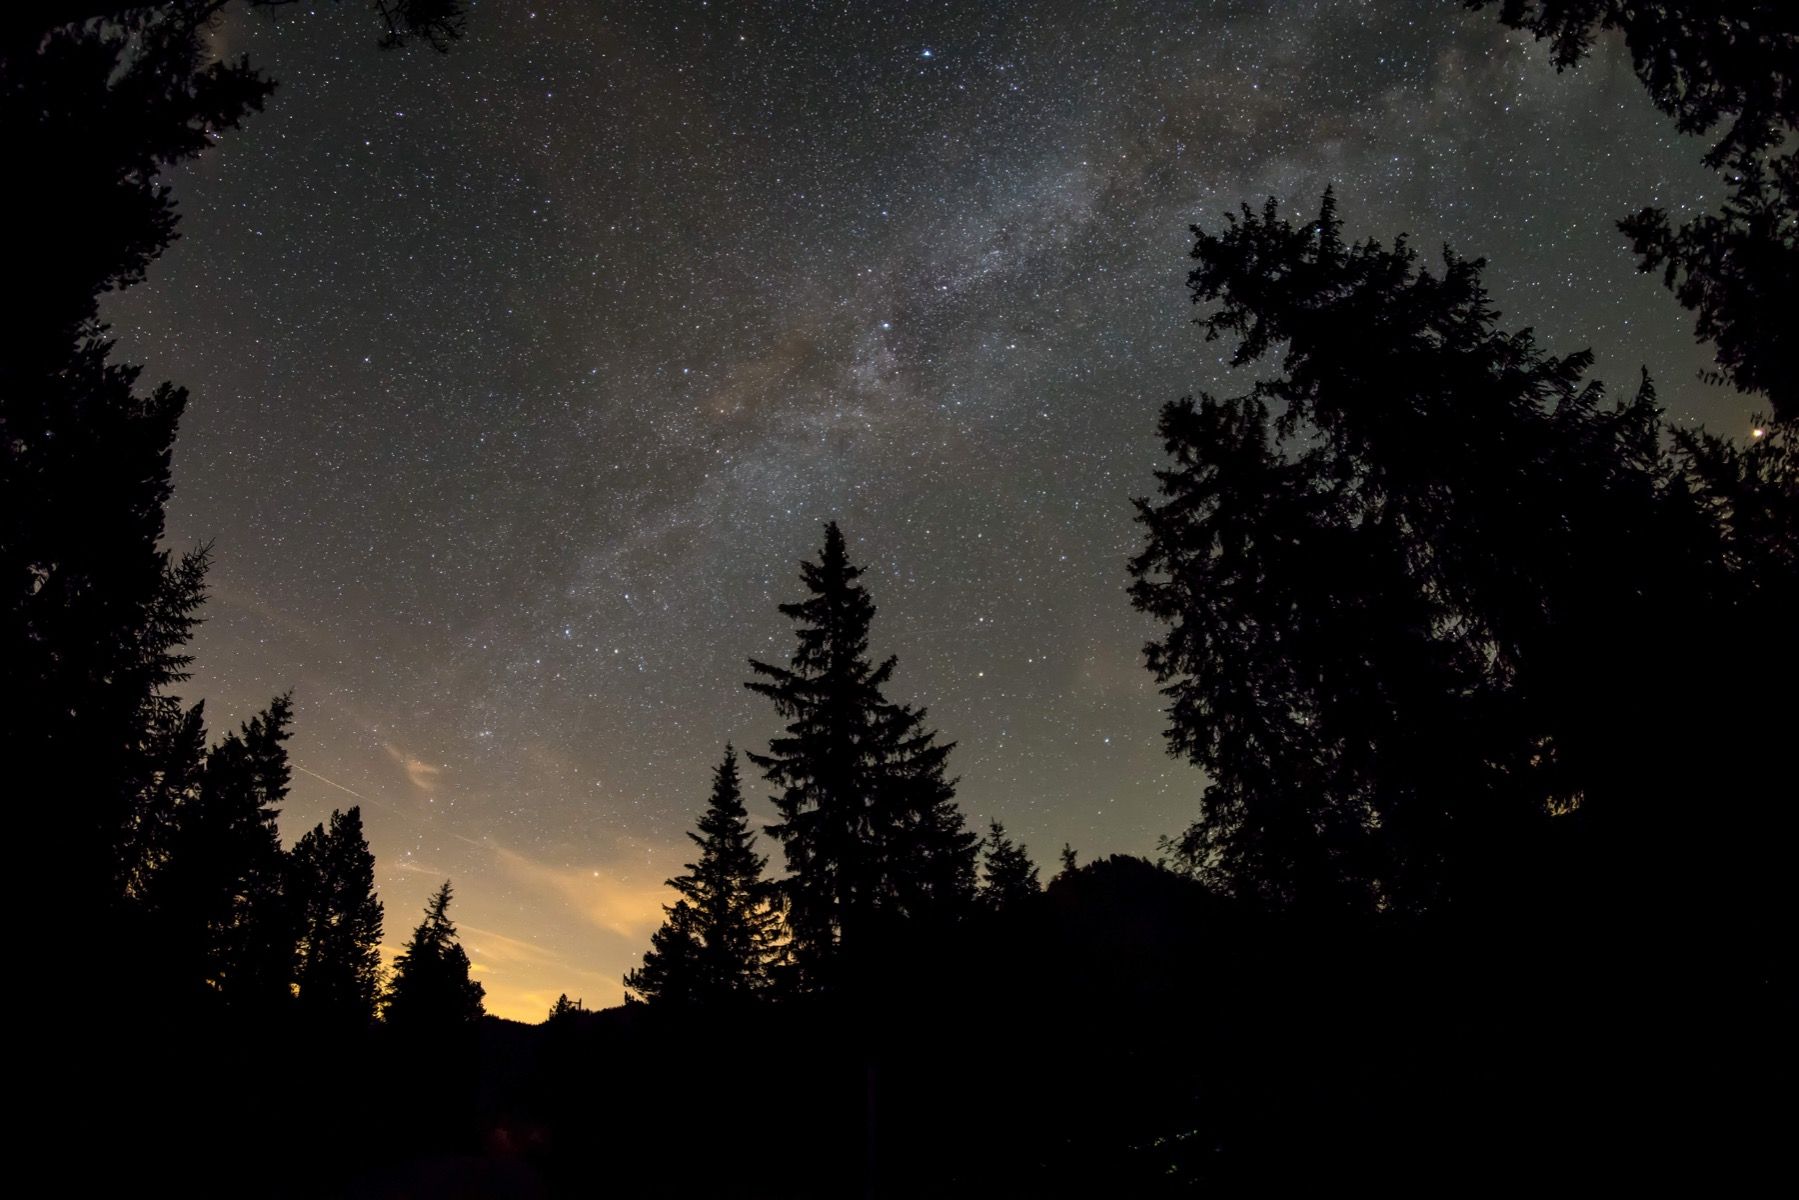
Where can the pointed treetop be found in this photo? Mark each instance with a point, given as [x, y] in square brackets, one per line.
[868, 822]
[431, 985]
[564, 1008]
[1330, 225]
[832, 624]
[719, 937]
[1009, 874]
[438, 908]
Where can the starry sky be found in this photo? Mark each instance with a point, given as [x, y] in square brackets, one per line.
[524, 376]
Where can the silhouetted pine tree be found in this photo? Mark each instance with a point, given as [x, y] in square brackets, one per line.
[96, 611]
[1008, 874]
[722, 945]
[932, 855]
[564, 1008]
[93, 611]
[671, 971]
[431, 991]
[1408, 620]
[97, 99]
[868, 819]
[219, 898]
[175, 765]
[338, 920]
[1069, 860]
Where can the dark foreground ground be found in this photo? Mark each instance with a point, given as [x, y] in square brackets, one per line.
[1124, 1035]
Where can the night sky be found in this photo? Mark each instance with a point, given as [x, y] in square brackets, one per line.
[523, 377]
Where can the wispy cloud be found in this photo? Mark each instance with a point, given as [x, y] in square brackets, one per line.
[423, 775]
[496, 947]
[616, 904]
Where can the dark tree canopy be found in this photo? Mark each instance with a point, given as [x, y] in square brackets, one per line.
[431, 992]
[100, 111]
[1737, 270]
[338, 922]
[220, 900]
[95, 611]
[1007, 873]
[1713, 65]
[1704, 62]
[191, 945]
[1750, 495]
[722, 935]
[868, 821]
[1410, 579]
[167, 780]
[671, 971]
[98, 98]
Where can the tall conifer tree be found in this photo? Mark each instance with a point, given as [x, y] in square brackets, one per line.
[721, 943]
[175, 764]
[220, 897]
[93, 610]
[98, 98]
[868, 818]
[1008, 874]
[338, 920]
[431, 990]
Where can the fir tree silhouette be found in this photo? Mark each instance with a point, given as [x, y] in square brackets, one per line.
[338, 922]
[431, 992]
[220, 900]
[167, 851]
[722, 935]
[671, 971]
[868, 819]
[95, 610]
[174, 765]
[98, 99]
[1007, 875]
[564, 1009]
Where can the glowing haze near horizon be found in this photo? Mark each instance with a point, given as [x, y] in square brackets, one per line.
[523, 377]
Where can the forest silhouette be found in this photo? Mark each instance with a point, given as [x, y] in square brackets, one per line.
[1485, 672]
